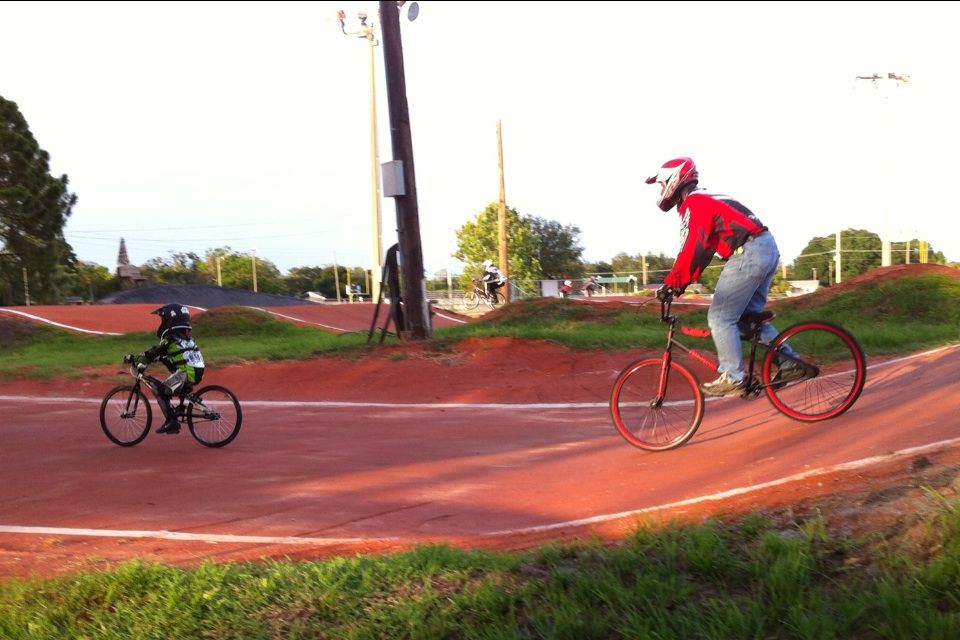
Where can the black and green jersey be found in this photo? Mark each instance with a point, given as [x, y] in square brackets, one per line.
[178, 352]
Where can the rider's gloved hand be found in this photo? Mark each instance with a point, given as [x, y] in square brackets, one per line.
[664, 292]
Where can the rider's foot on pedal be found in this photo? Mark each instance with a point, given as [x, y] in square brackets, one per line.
[723, 386]
[789, 371]
[170, 426]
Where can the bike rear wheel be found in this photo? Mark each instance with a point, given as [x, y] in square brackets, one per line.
[648, 420]
[214, 416]
[835, 372]
[125, 415]
[495, 299]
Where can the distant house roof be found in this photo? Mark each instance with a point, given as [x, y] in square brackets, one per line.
[616, 279]
[129, 271]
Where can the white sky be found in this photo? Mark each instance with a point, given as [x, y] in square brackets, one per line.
[194, 125]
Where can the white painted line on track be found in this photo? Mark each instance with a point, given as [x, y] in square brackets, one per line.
[318, 324]
[739, 491]
[182, 536]
[58, 324]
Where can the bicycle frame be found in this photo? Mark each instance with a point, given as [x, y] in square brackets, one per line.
[754, 385]
[155, 385]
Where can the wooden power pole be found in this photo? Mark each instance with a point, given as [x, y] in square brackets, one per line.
[502, 214]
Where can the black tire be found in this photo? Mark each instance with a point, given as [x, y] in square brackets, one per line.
[214, 416]
[836, 370]
[125, 415]
[471, 300]
[649, 423]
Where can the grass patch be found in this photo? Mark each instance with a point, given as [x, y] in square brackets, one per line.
[754, 578]
[228, 335]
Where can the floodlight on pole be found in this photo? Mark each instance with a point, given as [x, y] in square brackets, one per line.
[366, 32]
[902, 79]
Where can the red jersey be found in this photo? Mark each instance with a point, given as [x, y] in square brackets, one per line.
[710, 224]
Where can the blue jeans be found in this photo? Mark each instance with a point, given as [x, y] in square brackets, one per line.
[742, 288]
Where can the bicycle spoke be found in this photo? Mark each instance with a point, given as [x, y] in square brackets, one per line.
[647, 421]
[835, 372]
[125, 416]
[214, 416]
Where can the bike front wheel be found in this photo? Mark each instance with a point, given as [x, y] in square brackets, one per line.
[125, 415]
[826, 380]
[471, 300]
[214, 416]
[649, 418]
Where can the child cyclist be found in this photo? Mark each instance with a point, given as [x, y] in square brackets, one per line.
[181, 355]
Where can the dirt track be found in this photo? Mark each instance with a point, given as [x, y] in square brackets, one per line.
[498, 444]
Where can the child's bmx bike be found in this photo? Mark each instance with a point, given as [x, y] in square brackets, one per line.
[212, 413]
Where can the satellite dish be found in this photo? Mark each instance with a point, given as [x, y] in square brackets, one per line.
[413, 11]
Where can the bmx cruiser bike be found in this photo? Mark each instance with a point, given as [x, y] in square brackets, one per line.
[656, 403]
[212, 413]
[472, 299]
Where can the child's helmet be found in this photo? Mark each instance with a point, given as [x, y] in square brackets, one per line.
[567, 282]
[487, 263]
[172, 316]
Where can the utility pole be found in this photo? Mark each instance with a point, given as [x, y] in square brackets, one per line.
[886, 254]
[836, 257]
[219, 280]
[502, 214]
[408, 216]
[253, 260]
[336, 277]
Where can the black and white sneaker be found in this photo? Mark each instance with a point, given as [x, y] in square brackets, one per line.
[170, 426]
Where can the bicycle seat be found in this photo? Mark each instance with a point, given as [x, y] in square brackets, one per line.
[749, 323]
[756, 319]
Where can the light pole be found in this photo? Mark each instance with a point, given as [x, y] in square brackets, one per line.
[886, 257]
[253, 264]
[366, 32]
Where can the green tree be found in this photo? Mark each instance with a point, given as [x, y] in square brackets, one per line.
[595, 268]
[34, 207]
[478, 240]
[860, 251]
[299, 280]
[658, 266]
[237, 271]
[87, 280]
[900, 250]
[179, 268]
[558, 248]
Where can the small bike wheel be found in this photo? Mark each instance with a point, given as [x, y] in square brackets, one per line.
[471, 300]
[649, 419]
[214, 416]
[125, 415]
[834, 370]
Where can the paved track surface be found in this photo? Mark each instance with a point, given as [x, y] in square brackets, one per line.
[314, 473]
